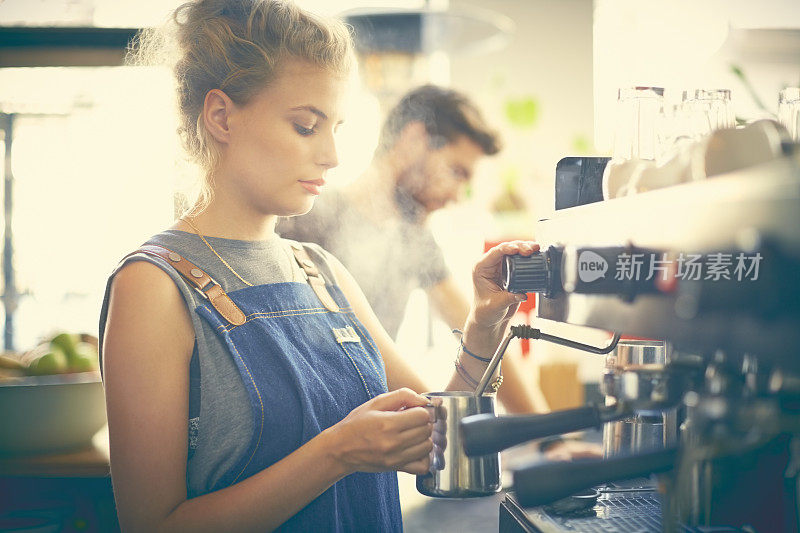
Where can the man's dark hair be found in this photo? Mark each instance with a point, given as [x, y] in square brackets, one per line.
[446, 115]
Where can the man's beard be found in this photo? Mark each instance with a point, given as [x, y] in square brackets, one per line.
[409, 207]
[407, 194]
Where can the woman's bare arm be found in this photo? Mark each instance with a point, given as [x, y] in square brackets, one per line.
[451, 304]
[491, 309]
[146, 351]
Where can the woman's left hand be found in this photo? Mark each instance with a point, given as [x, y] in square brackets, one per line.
[492, 305]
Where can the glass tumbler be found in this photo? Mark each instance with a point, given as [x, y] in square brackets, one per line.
[707, 110]
[635, 138]
[637, 112]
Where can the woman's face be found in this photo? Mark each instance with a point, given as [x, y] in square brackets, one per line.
[281, 143]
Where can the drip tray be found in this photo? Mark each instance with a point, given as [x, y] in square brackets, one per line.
[631, 506]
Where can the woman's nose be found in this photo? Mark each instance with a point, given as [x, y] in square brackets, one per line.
[328, 156]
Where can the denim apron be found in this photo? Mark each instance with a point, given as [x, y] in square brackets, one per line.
[305, 368]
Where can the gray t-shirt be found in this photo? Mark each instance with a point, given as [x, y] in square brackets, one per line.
[222, 430]
[388, 259]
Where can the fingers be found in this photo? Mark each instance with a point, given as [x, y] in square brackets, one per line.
[419, 468]
[412, 437]
[508, 299]
[435, 460]
[494, 255]
[492, 303]
[411, 418]
[440, 411]
[398, 399]
[489, 267]
[520, 247]
[418, 452]
[406, 419]
[439, 437]
[406, 428]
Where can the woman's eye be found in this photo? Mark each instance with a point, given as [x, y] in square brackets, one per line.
[303, 131]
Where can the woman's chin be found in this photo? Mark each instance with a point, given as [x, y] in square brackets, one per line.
[298, 209]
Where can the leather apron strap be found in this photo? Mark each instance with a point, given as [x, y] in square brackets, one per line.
[314, 277]
[199, 280]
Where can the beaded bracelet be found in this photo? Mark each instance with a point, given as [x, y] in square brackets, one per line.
[494, 385]
[464, 348]
[472, 382]
[478, 357]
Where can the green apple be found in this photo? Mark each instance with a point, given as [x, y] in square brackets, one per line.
[52, 362]
[85, 358]
[83, 364]
[66, 342]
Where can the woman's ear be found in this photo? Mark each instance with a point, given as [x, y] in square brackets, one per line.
[217, 109]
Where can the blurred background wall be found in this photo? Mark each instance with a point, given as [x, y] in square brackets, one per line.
[95, 165]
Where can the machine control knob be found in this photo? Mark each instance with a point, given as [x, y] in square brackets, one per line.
[539, 272]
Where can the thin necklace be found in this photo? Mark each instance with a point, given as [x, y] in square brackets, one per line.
[197, 231]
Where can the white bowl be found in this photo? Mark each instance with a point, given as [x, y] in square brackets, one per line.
[42, 414]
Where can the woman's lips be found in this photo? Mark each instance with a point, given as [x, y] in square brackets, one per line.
[313, 186]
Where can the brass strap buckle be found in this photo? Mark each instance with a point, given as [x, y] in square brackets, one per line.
[313, 277]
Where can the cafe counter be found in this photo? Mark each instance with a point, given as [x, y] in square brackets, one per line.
[72, 492]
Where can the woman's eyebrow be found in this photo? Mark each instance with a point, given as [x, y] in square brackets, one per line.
[312, 109]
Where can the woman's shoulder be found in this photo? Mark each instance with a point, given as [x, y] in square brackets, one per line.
[144, 315]
[145, 293]
[146, 278]
[147, 290]
[149, 272]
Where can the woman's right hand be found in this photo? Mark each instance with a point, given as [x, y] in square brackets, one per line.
[390, 432]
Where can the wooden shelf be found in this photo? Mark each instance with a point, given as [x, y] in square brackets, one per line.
[88, 462]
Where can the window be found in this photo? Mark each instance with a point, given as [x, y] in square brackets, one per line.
[93, 161]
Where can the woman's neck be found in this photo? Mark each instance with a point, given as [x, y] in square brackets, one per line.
[218, 221]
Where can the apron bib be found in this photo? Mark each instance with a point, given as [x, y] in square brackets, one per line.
[306, 361]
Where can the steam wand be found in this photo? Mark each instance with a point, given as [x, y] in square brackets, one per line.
[524, 331]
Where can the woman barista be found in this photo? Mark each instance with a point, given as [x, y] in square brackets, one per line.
[249, 386]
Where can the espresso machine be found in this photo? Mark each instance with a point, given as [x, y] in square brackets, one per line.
[701, 418]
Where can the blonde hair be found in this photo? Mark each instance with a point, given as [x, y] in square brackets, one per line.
[235, 46]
